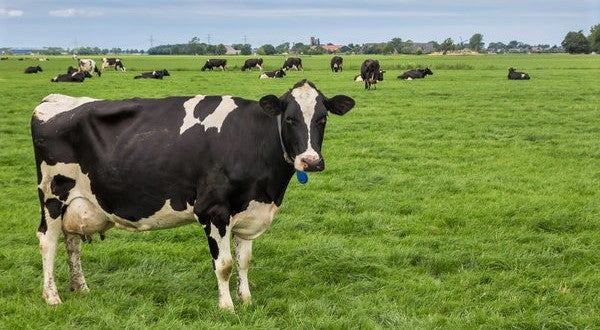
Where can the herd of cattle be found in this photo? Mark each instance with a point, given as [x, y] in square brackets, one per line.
[370, 71]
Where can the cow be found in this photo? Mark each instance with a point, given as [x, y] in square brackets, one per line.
[336, 63]
[112, 62]
[415, 74]
[34, 69]
[145, 164]
[215, 63]
[371, 73]
[253, 63]
[516, 75]
[77, 76]
[88, 65]
[158, 74]
[293, 63]
[272, 74]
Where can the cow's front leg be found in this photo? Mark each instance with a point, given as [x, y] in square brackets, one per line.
[73, 245]
[243, 254]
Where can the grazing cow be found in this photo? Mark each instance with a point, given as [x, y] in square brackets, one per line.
[215, 63]
[253, 63]
[3, 58]
[516, 75]
[415, 74]
[336, 63]
[146, 164]
[77, 76]
[293, 63]
[33, 69]
[158, 74]
[272, 74]
[371, 73]
[88, 65]
[112, 62]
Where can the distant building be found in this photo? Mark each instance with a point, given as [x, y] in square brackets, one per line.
[229, 50]
[425, 47]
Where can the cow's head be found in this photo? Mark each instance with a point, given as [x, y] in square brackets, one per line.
[302, 115]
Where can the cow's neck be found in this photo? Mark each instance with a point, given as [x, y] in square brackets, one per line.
[285, 154]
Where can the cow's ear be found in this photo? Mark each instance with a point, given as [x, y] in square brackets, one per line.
[339, 104]
[272, 105]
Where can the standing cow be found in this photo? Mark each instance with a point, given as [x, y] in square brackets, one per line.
[253, 63]
[143, 164]
[112, 62]
[371, 73]
[88, 65]
[215, 63]
[336, 63]
[293, 63]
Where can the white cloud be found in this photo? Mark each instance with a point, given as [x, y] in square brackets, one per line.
[10, 13]
[72, 12]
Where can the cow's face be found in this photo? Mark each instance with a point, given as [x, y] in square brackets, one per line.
[302, 113]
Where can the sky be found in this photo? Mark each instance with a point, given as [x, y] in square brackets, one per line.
[135, 24]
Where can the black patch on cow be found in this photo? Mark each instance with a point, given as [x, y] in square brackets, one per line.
[61, 186]
[214, 248]
[54, 207]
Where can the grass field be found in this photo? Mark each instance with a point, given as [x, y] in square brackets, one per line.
[459, 201]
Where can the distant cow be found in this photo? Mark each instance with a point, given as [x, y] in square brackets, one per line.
[415, 74]
[215, 63]
[78, 76]
[34, 69]
[293, 63]
[371, 73]
[336, 63]
[272, 74]
[142, 164]
[112, 62]
[158, 74]
[88, 65]
[516, 75]
[253, 63]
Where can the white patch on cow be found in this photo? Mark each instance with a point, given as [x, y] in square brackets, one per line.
[164, 218]
[214, 120]
[54, 104]
[263, 76]
[252, 222]
[306, 96]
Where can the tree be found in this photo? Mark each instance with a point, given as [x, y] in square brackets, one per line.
[476, 42]
[448, 45]
[576, 43]
[220, 49]
[283, 48]
[594, 38]
[267, 49]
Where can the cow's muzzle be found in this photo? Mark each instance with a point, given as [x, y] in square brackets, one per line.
[312, 164]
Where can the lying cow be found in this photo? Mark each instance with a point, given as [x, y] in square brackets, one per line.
[272, 74]
[112, 62]
[215, 63]
[415, 74]
[336, 63]
[34, 69]
[371, 73]
[253, 63]
[78, 76]
[146, 164]
[516, 75]
[159, 74]
[293, 63]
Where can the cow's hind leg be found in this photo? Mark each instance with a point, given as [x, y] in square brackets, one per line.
[243, 254]
[48, 234]
[73, 245]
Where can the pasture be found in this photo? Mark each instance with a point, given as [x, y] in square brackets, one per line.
[459, 201]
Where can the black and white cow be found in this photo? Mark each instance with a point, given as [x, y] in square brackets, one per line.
[34, 69]
[215, 63]
[77, 76]
[272, 74]
[415, 74]
[337, 63]
[158, 74]
[143, 164]
[371, 73]
[516, 75]
[112, 62]
[293, 63]
[88, 65]
[253, 63]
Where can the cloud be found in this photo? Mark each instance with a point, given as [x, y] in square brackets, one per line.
[10, 13]
[72, 12]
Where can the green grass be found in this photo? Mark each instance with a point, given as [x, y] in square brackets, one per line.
[460, 201]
